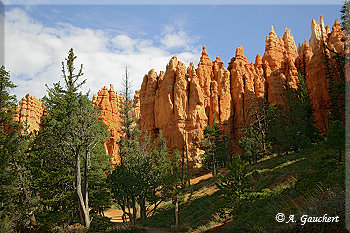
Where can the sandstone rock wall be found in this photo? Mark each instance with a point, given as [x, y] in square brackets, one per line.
[182, 101]
[30, 112]
[109, 103]
[316, 72]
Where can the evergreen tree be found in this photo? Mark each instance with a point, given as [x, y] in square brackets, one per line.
[253, 143]
[140, 178]
[64, 148]
[126, 114]
[213, 143]
[345, 17]
[233, 187]
[291, 127]
[137, 180]
[250, 143]
[173, 187]
[336, 138]
[99, 189]
[334, 65]
[17, 205]
[122, 179]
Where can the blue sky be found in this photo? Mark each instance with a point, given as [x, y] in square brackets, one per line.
[106, 38]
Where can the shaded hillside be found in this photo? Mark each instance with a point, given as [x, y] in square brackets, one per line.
[309, 182]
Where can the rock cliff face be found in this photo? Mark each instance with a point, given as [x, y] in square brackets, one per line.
[109, 103]
[182, 101]
[316, 79]
[30, 112]
[279, 65]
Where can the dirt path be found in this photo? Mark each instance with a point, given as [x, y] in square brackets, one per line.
[116, 215]
[200, 178]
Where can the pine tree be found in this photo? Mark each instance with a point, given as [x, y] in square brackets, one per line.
[234, 187]
[17, 201]
[137, 180]
[174, 187]
[216, 151]
[291, 127]
[334, 65]
[64, 148]
[336, 138]
[253, 143]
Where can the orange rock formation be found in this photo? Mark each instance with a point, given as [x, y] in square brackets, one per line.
[109, 103]
[182, 101]
[316, 72]
[30, 112]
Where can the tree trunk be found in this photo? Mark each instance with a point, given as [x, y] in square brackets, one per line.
[133, 210]
[214, 166]
[84, 208]
[142, 209]
[86, 184]
[25, 193]
[176, 213]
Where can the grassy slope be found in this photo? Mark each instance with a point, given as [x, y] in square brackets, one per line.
[309, 182]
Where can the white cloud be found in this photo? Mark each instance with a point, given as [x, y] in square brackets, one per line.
[176, 37]
[34, 52]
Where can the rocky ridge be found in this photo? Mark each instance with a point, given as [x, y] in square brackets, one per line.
[182, 101]
[110, 105]
[30, 113]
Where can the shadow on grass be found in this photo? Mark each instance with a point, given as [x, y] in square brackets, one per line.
[286, 185]
[192, 214]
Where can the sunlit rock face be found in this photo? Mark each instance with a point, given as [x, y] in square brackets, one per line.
[29, 113]
[109, 103]
[316, 79]
[182, 101]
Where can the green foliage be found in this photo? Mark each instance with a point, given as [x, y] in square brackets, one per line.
[251, 144]
[17, 203]
[215, 146]
[309, 181]
[72, 138]
[334, 65]
[141, 177]
[345, 16]
[336, 138]
[172, 180]
[7, 101]
[291, 127]
[99, 189]
[233, 187]
[99, 223]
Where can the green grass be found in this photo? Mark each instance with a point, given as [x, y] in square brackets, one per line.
[191, 214]
[308, 182]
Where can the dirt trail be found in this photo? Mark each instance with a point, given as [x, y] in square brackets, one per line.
[116, 215]
[200, 178]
